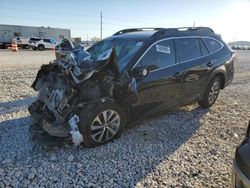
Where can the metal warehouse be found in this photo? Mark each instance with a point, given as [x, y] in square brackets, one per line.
[8, 32]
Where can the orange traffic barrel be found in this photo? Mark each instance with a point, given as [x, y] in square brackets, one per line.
[14, 47]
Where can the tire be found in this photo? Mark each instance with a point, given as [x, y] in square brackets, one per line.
[27, 47]
[91, 124]
[34, 48]
[211, 93]
[40, 47]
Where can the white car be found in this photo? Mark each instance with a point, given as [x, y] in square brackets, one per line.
[42, 44]
[22, 42]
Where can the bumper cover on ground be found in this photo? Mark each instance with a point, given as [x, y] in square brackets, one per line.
[239, 180]
[241, 166]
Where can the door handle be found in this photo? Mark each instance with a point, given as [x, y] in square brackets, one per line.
[210, 64]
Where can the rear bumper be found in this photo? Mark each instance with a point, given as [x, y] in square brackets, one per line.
[239, 180]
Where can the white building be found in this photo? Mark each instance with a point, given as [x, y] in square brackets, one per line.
[8, 32]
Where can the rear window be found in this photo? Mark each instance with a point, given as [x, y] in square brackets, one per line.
[211, 44]
[187, 48]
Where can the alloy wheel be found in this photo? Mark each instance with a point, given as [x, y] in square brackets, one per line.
[105, 126]
[213, 93]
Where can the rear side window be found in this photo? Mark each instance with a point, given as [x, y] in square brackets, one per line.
[211, 44]
[46, 40]
[204, 50]
[34, 39]
[160, 55]
[188, 48]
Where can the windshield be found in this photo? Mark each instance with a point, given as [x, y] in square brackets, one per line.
[125, 49]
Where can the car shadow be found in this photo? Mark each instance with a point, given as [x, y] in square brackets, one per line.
[126, 161]
[13, 106]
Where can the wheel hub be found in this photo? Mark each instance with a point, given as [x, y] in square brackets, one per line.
[214, 91]
[105, 126]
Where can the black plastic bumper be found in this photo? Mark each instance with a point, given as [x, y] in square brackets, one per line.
[241, 168]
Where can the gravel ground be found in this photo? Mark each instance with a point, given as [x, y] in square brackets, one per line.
[187, 147]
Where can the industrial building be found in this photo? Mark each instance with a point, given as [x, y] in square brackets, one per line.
[8, 32]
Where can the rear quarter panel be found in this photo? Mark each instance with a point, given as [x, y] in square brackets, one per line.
[223, 61]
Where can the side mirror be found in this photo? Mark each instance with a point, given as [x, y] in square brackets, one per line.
[140, 72]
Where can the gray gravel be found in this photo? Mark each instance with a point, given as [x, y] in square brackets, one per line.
[187, 147]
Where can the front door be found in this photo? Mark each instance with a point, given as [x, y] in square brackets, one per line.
[162, 86]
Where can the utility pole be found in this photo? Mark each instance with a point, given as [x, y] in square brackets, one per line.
[101, 25]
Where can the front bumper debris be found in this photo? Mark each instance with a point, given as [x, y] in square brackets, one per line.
[239, 180]
[77, 137]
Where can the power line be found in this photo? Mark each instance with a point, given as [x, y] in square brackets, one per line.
[101, 17]
[58, 20]
[127, 20]
[49, 12]
[84, 15]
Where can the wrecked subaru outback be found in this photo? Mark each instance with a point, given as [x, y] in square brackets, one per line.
[89, 96]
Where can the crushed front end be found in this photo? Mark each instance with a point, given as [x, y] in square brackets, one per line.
[71, 82]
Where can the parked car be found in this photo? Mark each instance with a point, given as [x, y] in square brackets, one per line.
[41, 44]
[33, 40]
[241, 164]
[93, 95]
[22, 42]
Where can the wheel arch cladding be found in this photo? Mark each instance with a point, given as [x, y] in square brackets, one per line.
[222, 79]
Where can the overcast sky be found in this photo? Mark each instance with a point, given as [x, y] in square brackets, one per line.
[230, 18]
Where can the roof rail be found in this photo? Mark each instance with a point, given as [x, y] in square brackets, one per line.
[135, 30]
[201, 30]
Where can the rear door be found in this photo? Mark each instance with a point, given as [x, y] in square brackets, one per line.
[162, 86]
[192, 56]
[47, 43]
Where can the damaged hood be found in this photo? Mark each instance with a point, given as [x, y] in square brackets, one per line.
[78, 63]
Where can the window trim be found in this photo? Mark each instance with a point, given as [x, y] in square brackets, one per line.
[154, 44]
[207, 46]
[172, 38]
[200, 44]
[178, 52]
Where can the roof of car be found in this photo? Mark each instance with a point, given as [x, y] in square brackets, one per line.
[146, 33]
[135, 35]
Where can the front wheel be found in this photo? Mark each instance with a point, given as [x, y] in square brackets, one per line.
[211, 93]
[41, 47]
[101, 124]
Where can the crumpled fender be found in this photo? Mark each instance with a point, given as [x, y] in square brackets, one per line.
[44, 71]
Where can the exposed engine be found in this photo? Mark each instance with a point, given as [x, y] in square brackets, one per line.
[70, 83]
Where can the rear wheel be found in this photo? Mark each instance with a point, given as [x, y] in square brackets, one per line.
[211, 93]
[101, 124]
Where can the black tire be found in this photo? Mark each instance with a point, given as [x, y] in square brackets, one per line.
[88, 116]
[41, 47]
[27, 47]
[34, 48]
[208, 100]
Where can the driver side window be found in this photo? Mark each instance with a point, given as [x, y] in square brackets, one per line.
[159, 56]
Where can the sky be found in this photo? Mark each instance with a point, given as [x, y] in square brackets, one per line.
[229, 18]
